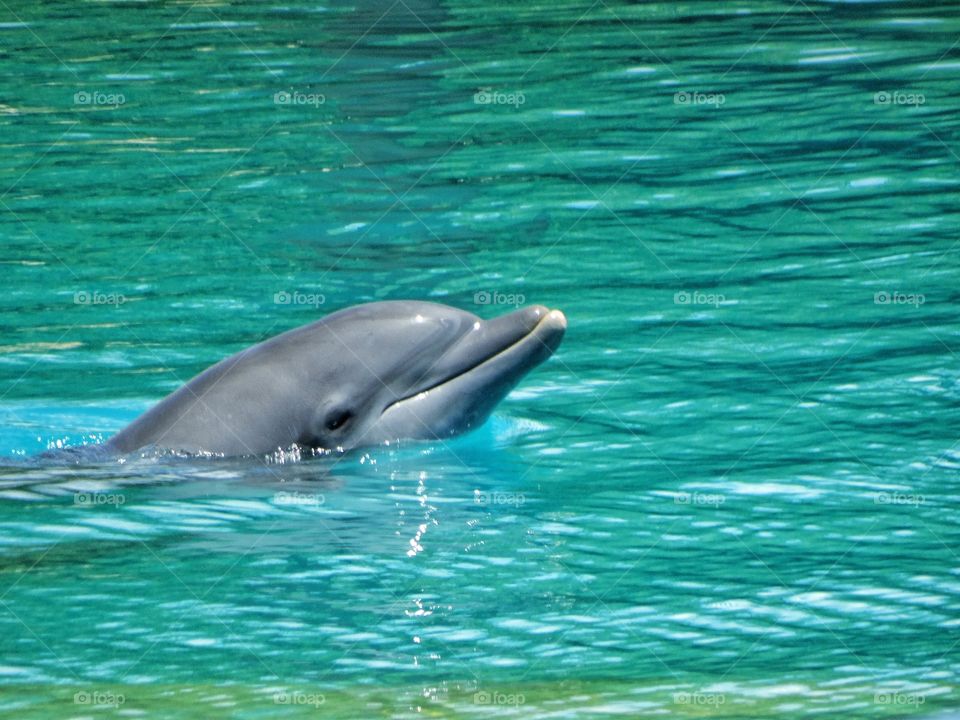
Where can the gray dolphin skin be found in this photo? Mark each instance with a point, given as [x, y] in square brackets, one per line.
[367, 375]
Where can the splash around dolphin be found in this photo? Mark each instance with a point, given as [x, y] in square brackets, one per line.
[367, 375]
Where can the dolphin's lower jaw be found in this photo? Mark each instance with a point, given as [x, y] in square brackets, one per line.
[464, 400]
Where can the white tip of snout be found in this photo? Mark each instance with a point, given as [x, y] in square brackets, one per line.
[555, 319]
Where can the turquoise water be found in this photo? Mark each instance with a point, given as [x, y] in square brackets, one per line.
[731, 493]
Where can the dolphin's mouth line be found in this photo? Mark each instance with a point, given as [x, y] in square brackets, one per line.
[466, 371]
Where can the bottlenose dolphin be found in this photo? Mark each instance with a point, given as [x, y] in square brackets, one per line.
[366, 375]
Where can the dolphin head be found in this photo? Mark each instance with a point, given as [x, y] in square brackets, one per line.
[362, 376]
[418, 370]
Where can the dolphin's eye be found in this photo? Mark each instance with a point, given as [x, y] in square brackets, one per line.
[338, 418]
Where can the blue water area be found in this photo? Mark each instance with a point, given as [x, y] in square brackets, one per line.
[731, 493]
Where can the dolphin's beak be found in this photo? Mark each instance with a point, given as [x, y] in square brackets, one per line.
[551, 326]
[535, 331]
[466, 382]
[548, 325]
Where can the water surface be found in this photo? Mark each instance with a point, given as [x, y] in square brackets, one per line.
[732, 492]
